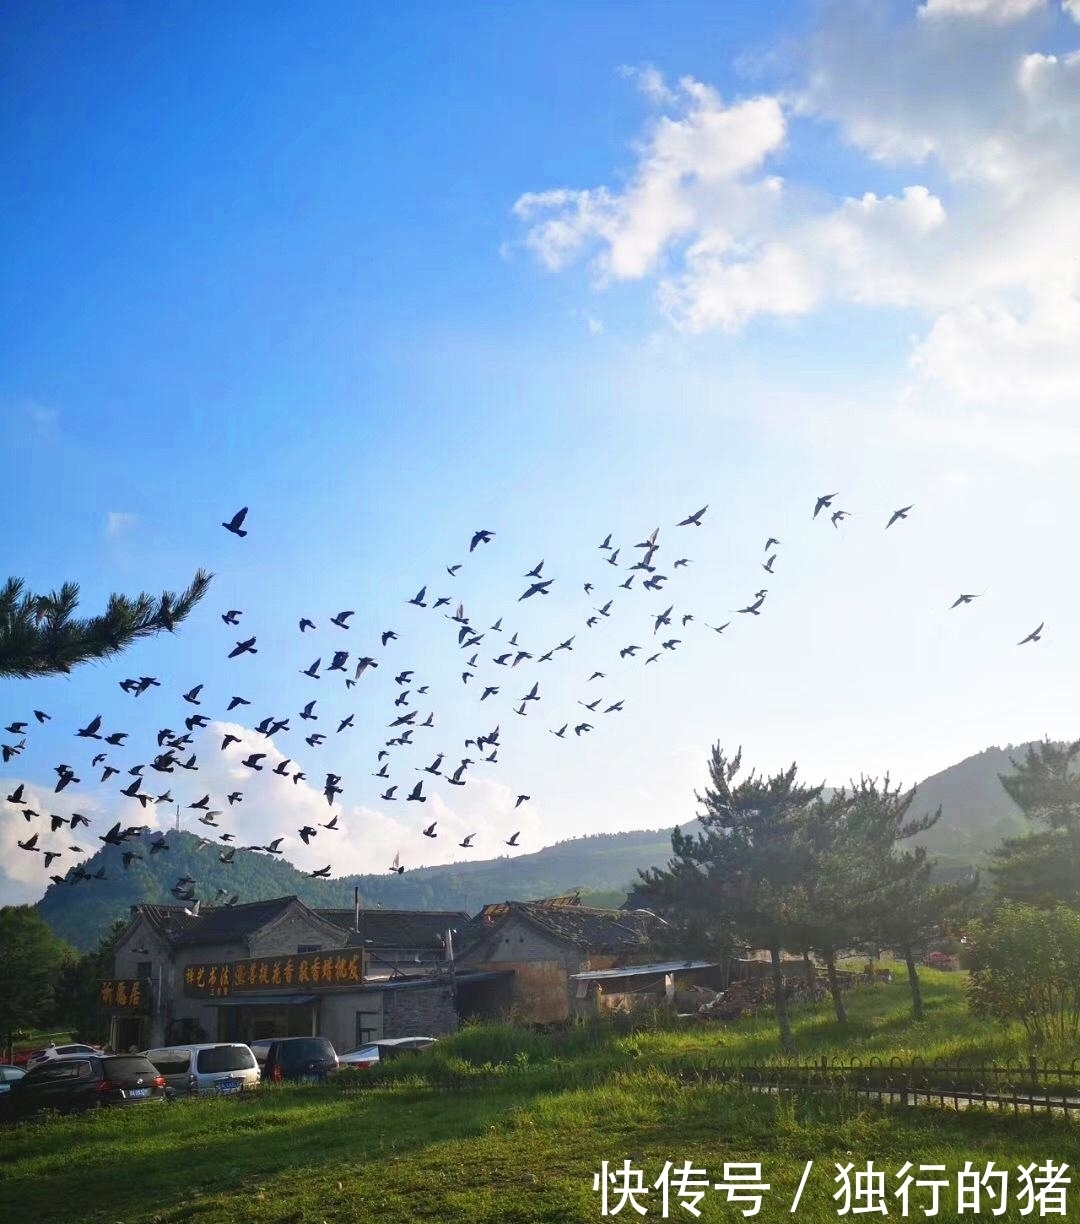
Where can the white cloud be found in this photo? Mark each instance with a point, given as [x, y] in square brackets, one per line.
[973, 244]
[991, 10]
[118, 524]
[707, 149]
[1072, 7]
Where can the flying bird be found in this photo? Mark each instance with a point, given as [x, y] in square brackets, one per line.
[416, 795]
[232, 617]
[306, 624]
[341, 619]
[540, 588]
[1033, 636]
[512, 840]
[522, 799]
[966, 599]
[481, 537]
[418, 598]
[90, 731]
[245, 647]
[694, 518]
[899, 514]
[430, 830]
[823, 503]
[322, 874]
[838, 516]
[235, 524]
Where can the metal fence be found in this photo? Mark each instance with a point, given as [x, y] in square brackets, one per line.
[1024, 1087]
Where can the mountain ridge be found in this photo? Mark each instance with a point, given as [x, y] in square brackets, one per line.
[976, 815]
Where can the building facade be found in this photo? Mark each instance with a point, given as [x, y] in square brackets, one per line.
[279, 969]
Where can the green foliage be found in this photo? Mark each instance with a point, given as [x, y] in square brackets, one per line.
[41, 636]
[523, 1144]
[1043, 868]
[77, 1001]
[1027, 968]
[31, 957]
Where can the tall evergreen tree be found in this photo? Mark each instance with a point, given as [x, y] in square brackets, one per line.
[1043, 868]
[41, 636]
[898, 905]
[31, 958]
[739, 877]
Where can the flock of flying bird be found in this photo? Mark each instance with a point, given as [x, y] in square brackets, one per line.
[175, 749]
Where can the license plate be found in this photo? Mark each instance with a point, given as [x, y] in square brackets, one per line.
[311, 1079]
[138, 1092]
[228, 1085]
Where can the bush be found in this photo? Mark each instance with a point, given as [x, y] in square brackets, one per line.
[1027, 968]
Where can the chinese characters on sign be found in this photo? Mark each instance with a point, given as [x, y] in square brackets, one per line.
[311, 971]
[131, 993]
[1036, 1189]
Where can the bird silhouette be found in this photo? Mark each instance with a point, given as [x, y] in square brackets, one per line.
[823, 503]
[341, 619]
[512, 840]
[245, 647]
[899, 514]
[1033, 636]
[430, 830]
[481, 537]
[235, 523]
[694, 519]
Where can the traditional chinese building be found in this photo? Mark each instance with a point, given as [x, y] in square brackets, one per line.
[556, 949]
[279, 969]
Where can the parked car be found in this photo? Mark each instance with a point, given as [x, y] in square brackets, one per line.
[9, 1076]
[260, 1048]
[64, 1051]
[388, 1047]
[302, 1059]
[70, 1084]
[207, 1069]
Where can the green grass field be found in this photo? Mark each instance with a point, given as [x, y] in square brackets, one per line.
[525, 1127]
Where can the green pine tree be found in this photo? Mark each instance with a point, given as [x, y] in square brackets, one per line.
[41, 636]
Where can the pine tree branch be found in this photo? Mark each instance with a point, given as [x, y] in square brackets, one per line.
[40, 635]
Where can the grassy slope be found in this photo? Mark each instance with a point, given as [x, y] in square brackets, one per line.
[526, 1148]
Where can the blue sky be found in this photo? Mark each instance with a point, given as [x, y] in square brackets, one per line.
[555, 270]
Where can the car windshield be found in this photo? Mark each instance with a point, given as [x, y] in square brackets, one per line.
[57, 1069]
[170, 1062]
[225, 1058]
[305, 1050]
[125, 1068]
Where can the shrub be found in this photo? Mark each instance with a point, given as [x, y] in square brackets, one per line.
[1027, 968]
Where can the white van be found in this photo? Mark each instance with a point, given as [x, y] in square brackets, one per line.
[206, 1070]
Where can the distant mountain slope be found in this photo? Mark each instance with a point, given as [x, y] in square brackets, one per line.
[976, 812]
[81, 913]
[976, 815]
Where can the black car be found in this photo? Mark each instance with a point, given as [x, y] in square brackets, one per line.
[71, 1084]
[304, 1059]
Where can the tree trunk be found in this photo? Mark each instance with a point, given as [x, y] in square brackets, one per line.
[834, 986]
[913, 981]
[808, 969]
[783, 1023]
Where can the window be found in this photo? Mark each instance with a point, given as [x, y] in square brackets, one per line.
[170, 1062]
[144, 969]
[224, 1058]
[368, 1027]
[302, 948]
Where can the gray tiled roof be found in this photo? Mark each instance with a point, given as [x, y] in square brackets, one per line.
[606, 931]
[416, 930]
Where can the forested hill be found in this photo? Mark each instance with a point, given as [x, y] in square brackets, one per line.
[602, 866]
[976, 815]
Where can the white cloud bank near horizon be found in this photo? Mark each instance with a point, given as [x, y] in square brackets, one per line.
[972, 103]
[365, 842]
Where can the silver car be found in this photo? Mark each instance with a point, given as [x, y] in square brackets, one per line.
[215, 1069]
